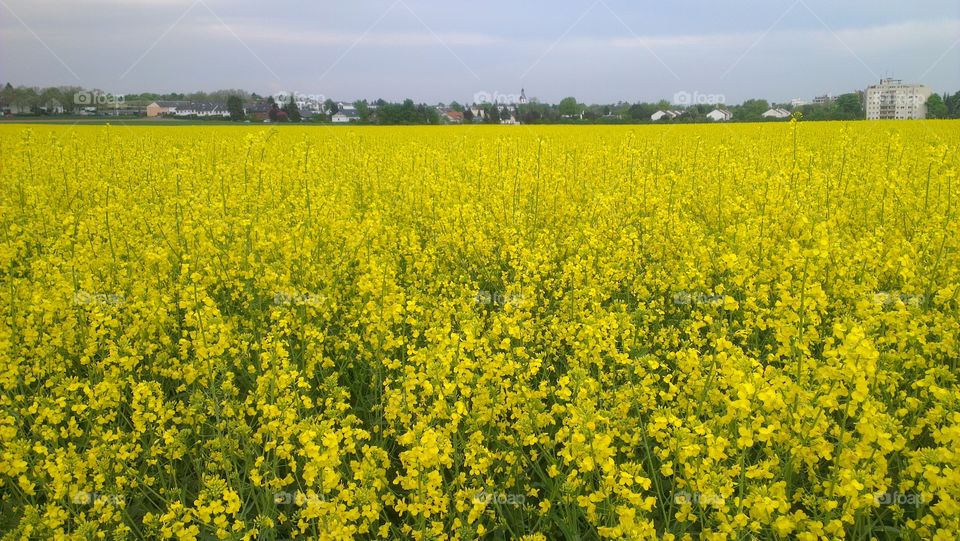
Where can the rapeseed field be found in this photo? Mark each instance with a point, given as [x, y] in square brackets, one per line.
[692, 332]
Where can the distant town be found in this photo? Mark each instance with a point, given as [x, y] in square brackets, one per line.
[887, 99]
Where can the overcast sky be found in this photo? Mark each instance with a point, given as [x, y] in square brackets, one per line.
[597, 50]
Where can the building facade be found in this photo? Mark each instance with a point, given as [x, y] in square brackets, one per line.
[892, 99]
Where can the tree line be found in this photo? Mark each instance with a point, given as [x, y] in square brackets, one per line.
[850, 106]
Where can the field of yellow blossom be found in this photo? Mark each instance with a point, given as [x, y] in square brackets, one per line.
[688, 332]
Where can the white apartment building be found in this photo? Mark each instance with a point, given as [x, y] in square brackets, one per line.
[891, 99]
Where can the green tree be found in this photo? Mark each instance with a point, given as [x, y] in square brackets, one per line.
[569, 107]
[293, 112]
[536, 113]
[401, 113]
[752, 110]
[936, 108]
[363, 110]
[52, 99]
[199, 96]
[848, 107]
[330, 107]
[274, 112]
[427, 114]
[408, 111]
[641, 111]
[952, 101]
[235, 107]
[24, 100]
[953, 104]
[697, 113]
[224, 94]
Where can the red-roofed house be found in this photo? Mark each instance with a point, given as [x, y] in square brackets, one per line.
[454, 117]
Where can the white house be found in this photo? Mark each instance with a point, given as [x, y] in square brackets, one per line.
[776, 113]
[186, 110]
[310, 107]
[348, 109]
[164, 108]
[17, 109]
[479, 113]
[719, 115]
[668, 114]
[307, 104]
[53, 107]
[453, 117]
[508, 115]
[508, 118]
[344, 116]
[212, 109]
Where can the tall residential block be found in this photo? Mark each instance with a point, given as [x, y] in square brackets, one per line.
[892, 99]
